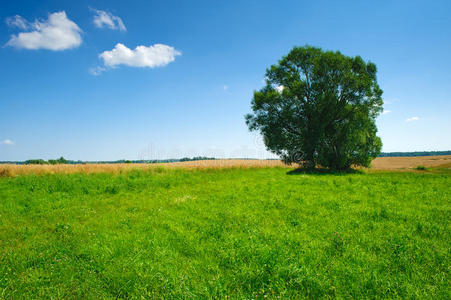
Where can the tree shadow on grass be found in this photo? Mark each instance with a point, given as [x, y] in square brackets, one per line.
[322, 171]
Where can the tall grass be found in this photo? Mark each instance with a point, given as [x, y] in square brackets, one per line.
[7, 170]
[213, 233]
[380, 163]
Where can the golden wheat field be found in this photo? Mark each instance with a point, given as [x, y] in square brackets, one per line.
[380, 163]
[13, 170]
[402, 163]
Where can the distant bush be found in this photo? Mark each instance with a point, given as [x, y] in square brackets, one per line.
[58, 161]
[196, 158]
[36, 162]
[421, 168]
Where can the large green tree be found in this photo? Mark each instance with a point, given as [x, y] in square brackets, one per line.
[318, 108]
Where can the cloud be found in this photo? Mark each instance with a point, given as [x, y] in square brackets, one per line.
[56, 33]
[96, 71]
[412, 119]
[105, 19]
[157, 55]
[386, 112]
[7, 142]
[226, 87]
[18, 21]
[391, 101]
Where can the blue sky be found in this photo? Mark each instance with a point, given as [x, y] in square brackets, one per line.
[64, 91]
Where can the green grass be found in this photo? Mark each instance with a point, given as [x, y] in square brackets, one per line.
[217, 233]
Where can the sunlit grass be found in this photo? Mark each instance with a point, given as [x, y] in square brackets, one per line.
[225, 232]
[9, 170]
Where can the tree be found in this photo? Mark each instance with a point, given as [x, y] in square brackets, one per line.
[58, 161]
[36, 162]
[319, 108]
[61, 160]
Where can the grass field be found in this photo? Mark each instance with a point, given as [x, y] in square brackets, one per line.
[243, 233]
[380, 163]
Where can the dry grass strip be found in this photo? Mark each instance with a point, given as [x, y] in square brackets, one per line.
[14, 170]
[380, 163]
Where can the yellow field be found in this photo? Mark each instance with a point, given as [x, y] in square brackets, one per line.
[402, 163]
[12, 170]
[380, 163]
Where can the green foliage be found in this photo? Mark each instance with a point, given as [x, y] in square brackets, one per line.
[421, 168]
[416, 153]
[60, 160]
[178, 234]
[196, 158]
[36, 162]
[325, 113]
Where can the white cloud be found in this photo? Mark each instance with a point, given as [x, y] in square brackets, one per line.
[105, 19]
[390, 101]
[412, 119]
[226, 87]
[157, 55]
[96, 71]
[18, 21]
[386, 112]
[55, 33]
[7, 142]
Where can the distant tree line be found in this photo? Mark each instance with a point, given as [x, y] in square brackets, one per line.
[36, 162]
[196, 158]
[62, 160]
[416, 153]
[58, 161]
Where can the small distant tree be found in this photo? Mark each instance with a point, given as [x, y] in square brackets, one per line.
[36, 162]
[319, 108]
[61, 160]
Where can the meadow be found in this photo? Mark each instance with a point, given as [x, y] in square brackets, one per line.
[226, 232]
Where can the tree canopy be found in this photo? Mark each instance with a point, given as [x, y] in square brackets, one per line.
[319, 108]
